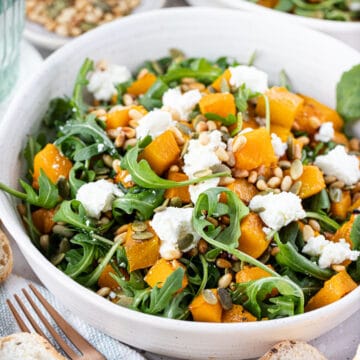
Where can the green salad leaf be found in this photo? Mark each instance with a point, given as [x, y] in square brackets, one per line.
[355, 234]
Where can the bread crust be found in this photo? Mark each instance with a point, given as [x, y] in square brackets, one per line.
[31, 338]
[294, 350]
[6, 257]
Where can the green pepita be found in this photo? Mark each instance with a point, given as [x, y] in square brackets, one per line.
[209, 297]
[141, 236]
[185, 241]
[138, 226]
[225, 299]
[57, 259]
[176, 202]
[62, 230]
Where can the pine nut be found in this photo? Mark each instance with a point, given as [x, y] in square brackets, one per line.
[178, 135]
[238, 143]
[204, 138]
[308, 232]
[201, 126]
[296, 169]
[304, 140]
[261, 185]
[174, 168]
[133, 123]
[231, 162]
[278, 172]
[222, 154]
[315, 122]
[338, 267]
[114, 133]
[274, 182]
[211, 125]
[122, 229]
[315, 225]
[129, 132]
[223, 264]
[135, 114]
[116, 165]
[225, 281]
[337, 184]
[142, 73]
[252, 177]
[120, 139]
[240, 173]
[129, 142]
[329, 179]
[297, 151]
[104, 291]
[226, 180]
[127, 99]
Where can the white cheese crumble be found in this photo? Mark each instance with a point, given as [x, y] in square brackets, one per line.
[330, 252]
[154, 124]
[340, 164]
[102, 83]
[182, 103]
[253, 78]
[97, 197]
[277, 210]
[279, 147]
[197, 189]
[326, 132]
[171, 225]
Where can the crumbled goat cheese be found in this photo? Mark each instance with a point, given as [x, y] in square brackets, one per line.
[277, 210]
[202, 156]
[97, 196]
[253, 78]
[330, 252]
[102, 83]
[182, 103]
[197, 189]
[171, 225]
[325, 133]
[279, 147]
[154, 124]
[340, 164]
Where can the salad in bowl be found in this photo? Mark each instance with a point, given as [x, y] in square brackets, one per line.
[195, 190]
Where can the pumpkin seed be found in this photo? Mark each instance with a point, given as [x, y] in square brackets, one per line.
[296, 169]
[225, 281]
[286, 183]
[290, 148]
[329, 179]
[202, 173]
[209, 297]
[104, 291]
[184, 148]
[225, 299]
[335, 194]
[295, 188]
[185, 241]
[57, 259]
[64, 245]
[175, 202]
[102, 171]
[45, 242]
[138, 226]
[338, 184]
[108, 160]
[64, 187]
[224, 86]
[183, 128]
[125, 300]
[62, 230]
[236, 266]
[145, 235]
[163, 206]
[219, 168]
[284, 164]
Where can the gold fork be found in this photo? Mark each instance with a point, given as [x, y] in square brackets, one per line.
[86, 350]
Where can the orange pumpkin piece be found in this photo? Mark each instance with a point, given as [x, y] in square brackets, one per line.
[162, 269]
[162, 152]
[123, 176]
[257, 151]
[205, 312]
[222, 104]
[312, 112]
[52, 162]
[334, 289]
[141, 254]
[142, 85]
[355, 205]
[237, 314]
[340, 209]
[340, 138]
[282, 132]
[252, 240]
[312, 180]
[344, 231]
[251, 273]
[268, 3]
[283, 106]
[243, 189]
[120, 117]
[180, 192]
[225, 76]
[106, 280]
[43, 220]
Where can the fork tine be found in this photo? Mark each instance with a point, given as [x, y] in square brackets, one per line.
[69, 351]
[30, 318]
[17, 317]
[79, 341]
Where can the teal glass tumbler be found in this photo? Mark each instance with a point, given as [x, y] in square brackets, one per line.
[12, 13]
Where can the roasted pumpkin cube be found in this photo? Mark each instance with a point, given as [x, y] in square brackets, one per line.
[251, 273]
[141, 254]
[180, 192]
[283, 106]
[253, 239]
[162, 152]
[237, 314]
[43, 220]
[282, 132]
[162, 269]
[142, 85]
[52, 162]
[201, 310]
[106, 280]
[344, 231]
[225, 76]
[123, 177]
[243, 189]
[120, 117]
[334, 289]
[340, 138]
[341, 208]
[257, 151]
[312, 181]
[222, 104]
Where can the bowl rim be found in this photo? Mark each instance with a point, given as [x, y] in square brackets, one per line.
[33, 254]
[320, 24]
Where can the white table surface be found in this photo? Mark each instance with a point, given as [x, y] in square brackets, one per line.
[338, 344]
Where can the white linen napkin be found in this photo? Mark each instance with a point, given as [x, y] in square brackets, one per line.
[109, 347]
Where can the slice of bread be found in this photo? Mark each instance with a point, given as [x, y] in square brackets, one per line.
[26, 346]
[293, 350]
[6, 257]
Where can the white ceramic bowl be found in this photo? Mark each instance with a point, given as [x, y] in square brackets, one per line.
[349, 32]
[314, 63]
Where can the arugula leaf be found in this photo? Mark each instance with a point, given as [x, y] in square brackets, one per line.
[320, 201]
[178, 307]
[290, 257]
[136, 282]
[324, 219]
[59, 111]
[144, 176]
[227, 121]
[207, 75]
[153, 97]
[226, 239]
[254, 296]
[75, 183]
[33, 146]
[347, 94]
[242, 96]
[143, 201]
[355, 234]
[284, 80]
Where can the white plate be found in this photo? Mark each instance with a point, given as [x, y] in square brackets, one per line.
[213, 3]
[43, 38]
